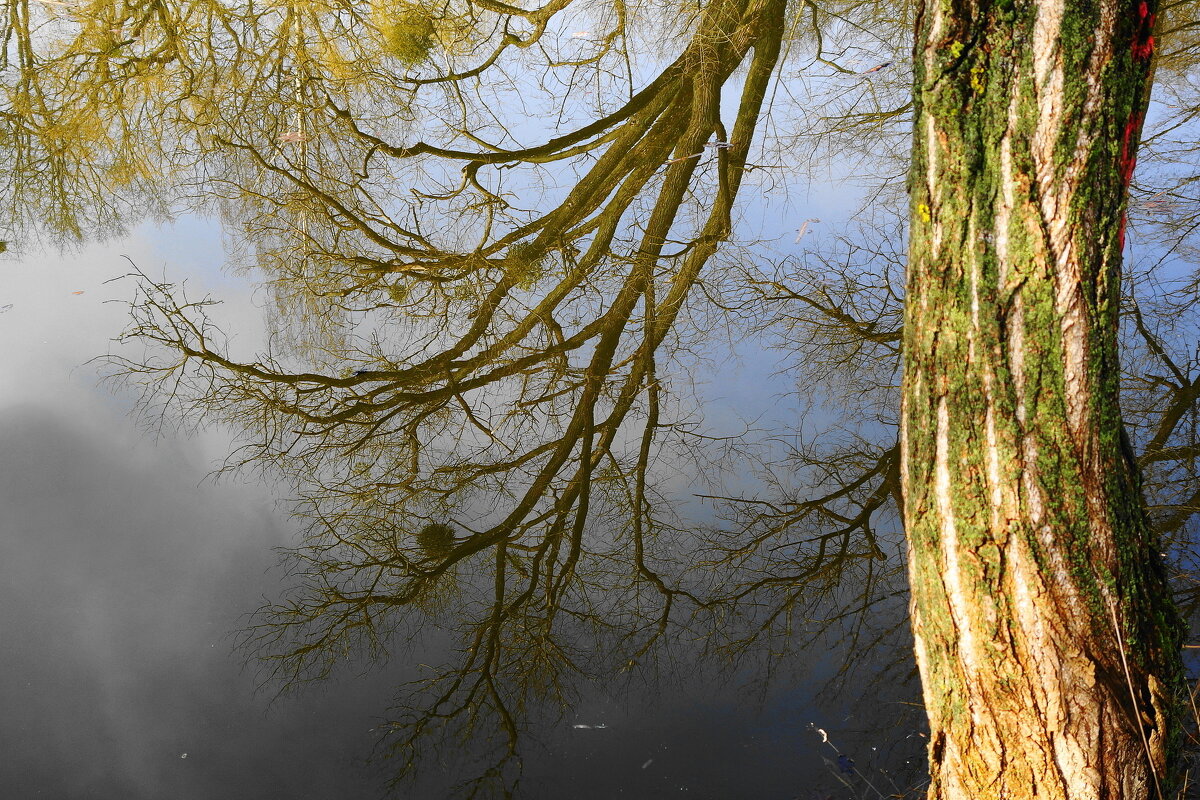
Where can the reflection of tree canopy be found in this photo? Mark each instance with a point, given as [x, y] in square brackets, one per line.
[477, 382]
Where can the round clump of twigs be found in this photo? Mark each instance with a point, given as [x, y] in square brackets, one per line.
[436, 540]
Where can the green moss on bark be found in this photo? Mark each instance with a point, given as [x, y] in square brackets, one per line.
[1013, 277]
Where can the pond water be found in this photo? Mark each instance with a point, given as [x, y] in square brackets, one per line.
[127, 572]
[553, 382]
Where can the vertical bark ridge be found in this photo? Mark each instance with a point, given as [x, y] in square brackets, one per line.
[1045, 637]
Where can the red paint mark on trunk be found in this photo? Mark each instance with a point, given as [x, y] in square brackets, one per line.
[1128, 162]
[1143, 40]
[1142, 48]
[1129, 148]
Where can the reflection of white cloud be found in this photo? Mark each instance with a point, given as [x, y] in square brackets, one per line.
[122, 570]
[116, 563]
[63, 311]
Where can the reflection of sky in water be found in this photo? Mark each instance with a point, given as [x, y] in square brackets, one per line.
[122, 578]
[124, 573]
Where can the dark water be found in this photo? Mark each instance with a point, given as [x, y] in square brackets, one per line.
[122, 581]
[123, 578]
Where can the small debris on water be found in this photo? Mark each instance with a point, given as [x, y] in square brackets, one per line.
[649, 761]
[184, 755]
[583, 727]
[803, 229]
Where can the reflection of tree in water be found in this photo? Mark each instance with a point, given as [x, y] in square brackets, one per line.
[436, 540]
[477, 385]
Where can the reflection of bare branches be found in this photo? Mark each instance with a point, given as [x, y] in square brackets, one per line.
[1161, 405]
[484, 429]
[824, 517]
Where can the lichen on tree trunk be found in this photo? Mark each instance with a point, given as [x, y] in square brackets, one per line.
[1046, 639]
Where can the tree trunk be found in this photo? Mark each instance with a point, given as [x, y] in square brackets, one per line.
[1047, 642]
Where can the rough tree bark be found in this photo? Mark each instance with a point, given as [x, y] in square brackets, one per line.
[1048, 646]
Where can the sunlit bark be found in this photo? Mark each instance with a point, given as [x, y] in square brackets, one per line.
[1045, 635]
